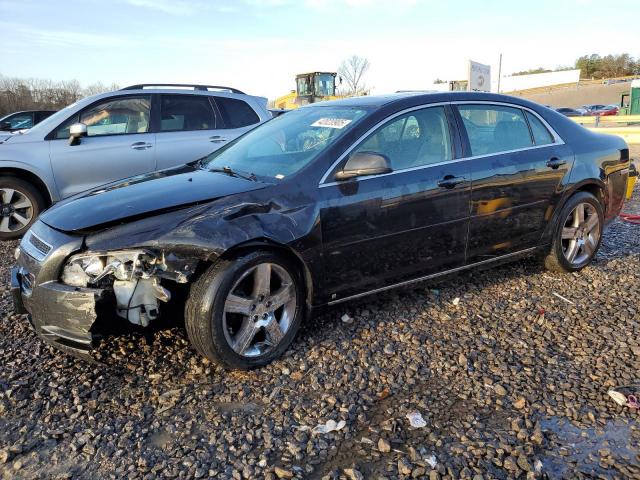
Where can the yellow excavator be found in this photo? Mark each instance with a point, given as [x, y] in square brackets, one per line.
[310, 88]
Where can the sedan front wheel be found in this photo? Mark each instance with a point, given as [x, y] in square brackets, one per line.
[245, 312]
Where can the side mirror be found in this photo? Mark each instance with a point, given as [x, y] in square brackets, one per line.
[76, 131]
[4, 126]
[362, 164]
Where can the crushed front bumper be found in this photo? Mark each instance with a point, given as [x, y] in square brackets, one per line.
[62, 315]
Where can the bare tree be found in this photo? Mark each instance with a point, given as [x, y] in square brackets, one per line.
[352, 71]
[98, 87]
[42, 94]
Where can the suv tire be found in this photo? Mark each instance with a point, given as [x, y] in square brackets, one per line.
[20, 205]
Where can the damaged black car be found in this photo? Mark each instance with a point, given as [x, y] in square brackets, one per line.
[330, 202]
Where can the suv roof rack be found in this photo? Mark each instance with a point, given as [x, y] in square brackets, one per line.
[141, 86]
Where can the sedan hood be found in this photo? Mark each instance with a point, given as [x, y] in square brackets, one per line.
[143, 195]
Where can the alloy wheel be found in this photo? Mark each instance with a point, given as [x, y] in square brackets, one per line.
[259, 310]
[581, 234]
[16, 210]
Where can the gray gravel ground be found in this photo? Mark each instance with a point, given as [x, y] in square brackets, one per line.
[511, 381]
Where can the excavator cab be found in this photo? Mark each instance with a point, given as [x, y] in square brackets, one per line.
[315, 87]
[310, 88]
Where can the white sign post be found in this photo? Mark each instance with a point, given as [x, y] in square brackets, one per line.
[479, 77]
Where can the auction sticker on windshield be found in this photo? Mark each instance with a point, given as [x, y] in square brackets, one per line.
[331, 122]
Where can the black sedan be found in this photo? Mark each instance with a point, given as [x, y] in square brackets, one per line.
[328, 203]
[23, 120]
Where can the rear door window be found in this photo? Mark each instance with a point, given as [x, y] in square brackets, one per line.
[186, 112]
[541, 135]
[495, 128]
[236, 113]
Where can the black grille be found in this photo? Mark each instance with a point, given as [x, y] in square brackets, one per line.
[39, 244]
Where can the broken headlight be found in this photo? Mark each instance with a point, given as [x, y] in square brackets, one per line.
[89, 268]
[132, 274]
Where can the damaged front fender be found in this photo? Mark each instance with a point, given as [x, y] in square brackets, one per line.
[175, 243]
[206, 231]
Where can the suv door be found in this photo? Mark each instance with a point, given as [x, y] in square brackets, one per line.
[517, 166]
[390, 228]
[188, 129]
[192, 126]
[118, 144]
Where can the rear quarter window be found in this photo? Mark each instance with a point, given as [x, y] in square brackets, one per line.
[541, 135]
[236, 113]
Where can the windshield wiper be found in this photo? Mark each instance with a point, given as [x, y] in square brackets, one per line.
[235, 173]
[197, 163]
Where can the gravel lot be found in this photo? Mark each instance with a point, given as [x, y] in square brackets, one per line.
[510, 379]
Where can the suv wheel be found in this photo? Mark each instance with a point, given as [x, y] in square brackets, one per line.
[245, 312]
[20, 205]
[578, 234]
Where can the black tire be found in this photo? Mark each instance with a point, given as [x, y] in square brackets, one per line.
[556, 260]
[29, 191]
[205, 309]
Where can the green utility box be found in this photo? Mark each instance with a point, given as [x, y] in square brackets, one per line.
[630, 102]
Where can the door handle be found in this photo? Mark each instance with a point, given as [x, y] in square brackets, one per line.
[141, 145]
[217, 139]
[449, 181]
[555, 163]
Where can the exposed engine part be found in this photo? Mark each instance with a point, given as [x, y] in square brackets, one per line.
[137, 300]
[134, 276]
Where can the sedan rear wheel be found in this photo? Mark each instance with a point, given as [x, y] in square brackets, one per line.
[581, 234]
[578, 234]
[245, 312]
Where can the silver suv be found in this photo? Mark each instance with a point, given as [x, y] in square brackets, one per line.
[114, 135]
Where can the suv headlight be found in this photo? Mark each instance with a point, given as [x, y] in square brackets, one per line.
[89, 268]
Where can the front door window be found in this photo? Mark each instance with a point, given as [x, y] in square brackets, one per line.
[116, 116]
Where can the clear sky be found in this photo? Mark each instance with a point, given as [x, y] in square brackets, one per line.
[259, 45]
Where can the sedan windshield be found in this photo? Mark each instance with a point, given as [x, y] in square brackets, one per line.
[286, 144]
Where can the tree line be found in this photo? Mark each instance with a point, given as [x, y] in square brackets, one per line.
[597, 67]
[540, 70]
[608, 66]
[18, 94]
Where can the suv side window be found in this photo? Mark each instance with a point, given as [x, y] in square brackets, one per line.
[236, 113]
[494, 128]
[417, 138]
[186, 112]
[541, 135]
[114, 116]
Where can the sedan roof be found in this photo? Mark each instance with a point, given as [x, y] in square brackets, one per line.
[417, 98]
